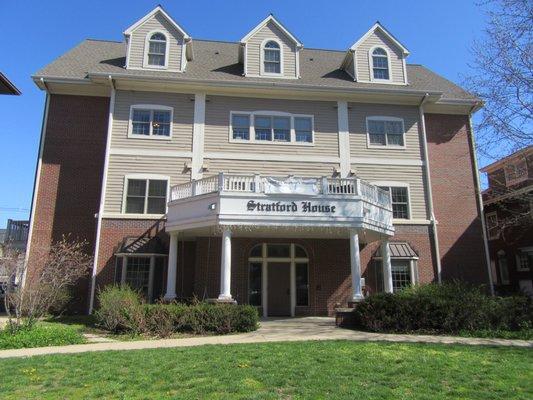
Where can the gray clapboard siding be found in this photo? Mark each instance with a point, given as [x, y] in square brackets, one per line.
[182, 124]
[357, 114]
[395, 54]
[253, 47]
[406, 174]
[138, 41]
[120, 165]
[218, 121]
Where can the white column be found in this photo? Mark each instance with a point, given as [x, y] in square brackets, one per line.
[355, 262]
[197, 160]
[387, 270]
[344, 138]
[225, 267]
[172, 266]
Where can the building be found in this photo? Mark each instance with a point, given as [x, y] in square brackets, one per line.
[257, 171]
[14, 236]
[508, 203]
[6, 87]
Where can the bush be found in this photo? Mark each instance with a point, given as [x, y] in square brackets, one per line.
[122, 310]
[446, 308]
[39, 335]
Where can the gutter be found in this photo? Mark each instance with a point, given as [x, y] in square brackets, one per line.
[431, 210]
[102, 193]
[479, 197]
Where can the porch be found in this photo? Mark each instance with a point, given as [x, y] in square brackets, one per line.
[277, 214]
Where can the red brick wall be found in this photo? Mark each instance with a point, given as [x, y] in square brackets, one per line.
[455, 199]
[71, 174]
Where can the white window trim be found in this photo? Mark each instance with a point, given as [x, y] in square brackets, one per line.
[262, 58]
[487, 216]
[252, 140]
[371, 65]
[151, 107]
[144, 177]
[386, 146]
[398, 184]
[413, 267]
[147, 48]
[508, 181]
[151, 274]
[518, 264]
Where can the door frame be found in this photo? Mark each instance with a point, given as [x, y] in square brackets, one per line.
[292, 260]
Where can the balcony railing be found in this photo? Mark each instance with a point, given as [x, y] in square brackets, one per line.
[257, 184]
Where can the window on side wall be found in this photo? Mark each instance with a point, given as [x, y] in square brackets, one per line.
[400, 201]
[385, 132]
[150, 122]
[146, 196]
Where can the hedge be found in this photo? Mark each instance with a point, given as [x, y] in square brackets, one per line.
[123, 311]
[448, 308]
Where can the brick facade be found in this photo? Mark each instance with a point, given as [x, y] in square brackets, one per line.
[70, 179]
[455, 198]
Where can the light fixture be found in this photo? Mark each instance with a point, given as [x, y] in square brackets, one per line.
[212, 206]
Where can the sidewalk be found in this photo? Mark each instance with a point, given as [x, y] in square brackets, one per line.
[272, 330]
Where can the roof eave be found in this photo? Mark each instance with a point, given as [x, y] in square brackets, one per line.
[378, 25]
[160, 9]
[269, 18]
[9, 85]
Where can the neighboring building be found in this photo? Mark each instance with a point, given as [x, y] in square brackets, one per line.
[508, 205]
[6, 87]
[15, 236]
[167, 155]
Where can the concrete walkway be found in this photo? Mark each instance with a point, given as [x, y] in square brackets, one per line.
[271, 330]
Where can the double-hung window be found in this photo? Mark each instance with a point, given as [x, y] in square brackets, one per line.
[401, 274]
[261, 128]
[400, 201]
[380, 64]
[146, 196]
[385, 131]
[157, 50]
[153, 122]
[272, 58]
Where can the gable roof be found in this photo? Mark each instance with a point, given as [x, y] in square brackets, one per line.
[526, 151]
[272, 19]
[6, 87]
[217, 61]
[156, 10]
[378, 26]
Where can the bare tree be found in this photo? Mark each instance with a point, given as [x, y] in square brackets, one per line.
[502, 76]
[47, 278]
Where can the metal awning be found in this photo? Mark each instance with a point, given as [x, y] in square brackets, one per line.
[398, 250]
[142, 246]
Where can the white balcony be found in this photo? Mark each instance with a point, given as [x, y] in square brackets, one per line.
[254, 205]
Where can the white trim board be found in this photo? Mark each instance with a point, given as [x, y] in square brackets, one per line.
[137, 24]
[272, 19]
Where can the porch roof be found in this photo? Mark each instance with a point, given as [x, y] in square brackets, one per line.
[398, 250]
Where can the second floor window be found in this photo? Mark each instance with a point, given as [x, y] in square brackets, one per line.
[385, 131]
[157, 50]
[272, 58]
[516, 172]
[400, 201]
[380, 64]
[152, 122]
[493, 230]
[146, 196]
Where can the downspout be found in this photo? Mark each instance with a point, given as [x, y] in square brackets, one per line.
[480, 198]
[431, 210]
[103, 192]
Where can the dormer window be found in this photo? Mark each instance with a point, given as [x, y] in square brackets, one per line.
[157, 50]
[380, 64]
[272, 58]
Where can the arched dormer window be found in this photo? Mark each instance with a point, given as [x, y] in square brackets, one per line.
[380, 64]
[272, 58]
[157, 50]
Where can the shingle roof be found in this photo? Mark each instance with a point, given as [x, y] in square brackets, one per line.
[218, 61]
[398, 250]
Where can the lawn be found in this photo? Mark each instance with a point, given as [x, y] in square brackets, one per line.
[302, 370]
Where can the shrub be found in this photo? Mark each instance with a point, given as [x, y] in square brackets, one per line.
[121, 310]
[446, 308]
[39, 335]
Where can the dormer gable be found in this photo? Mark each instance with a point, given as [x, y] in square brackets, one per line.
[157, 42]
[270, 51]
[377, 57]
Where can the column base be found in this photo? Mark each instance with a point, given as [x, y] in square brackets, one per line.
[222, 300]
[169, 298]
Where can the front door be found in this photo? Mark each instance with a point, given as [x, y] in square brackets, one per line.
[279, 289]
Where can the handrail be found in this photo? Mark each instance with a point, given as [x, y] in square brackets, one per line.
[256, 184]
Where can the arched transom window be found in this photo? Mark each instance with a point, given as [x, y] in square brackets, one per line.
[380, 64]
[157, 50]
[272, 58]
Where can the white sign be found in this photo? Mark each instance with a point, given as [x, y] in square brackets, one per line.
[291, 185]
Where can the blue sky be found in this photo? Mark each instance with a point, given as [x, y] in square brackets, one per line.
[437, 33]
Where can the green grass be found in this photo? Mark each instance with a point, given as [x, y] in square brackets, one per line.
[302, 370]
[40, 335]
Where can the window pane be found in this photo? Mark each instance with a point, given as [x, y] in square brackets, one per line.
[278, 250]
[135, 205]
[156, 59]
[157, 197]
[137, 274]
[263, 122]
[302, 285]
[157, 188]
[302, 123]
[157, 48]
[161, 123]
[401, 274]
[257, 251]
[272, 67]
[399, 194]
[377, 139]
[282, 123]
[240, 120]
[394, 140]
[141, 115]
[162, 116]
[393, 127]
[254, 288]
[400, 211]
[299, 251]
[141, 128]
[156, 205]
[272, 45]
[158, 36]
[302, 136]
[380, 62]
[272, 55]
[376, 127]
[136, 187]
[381, 73]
